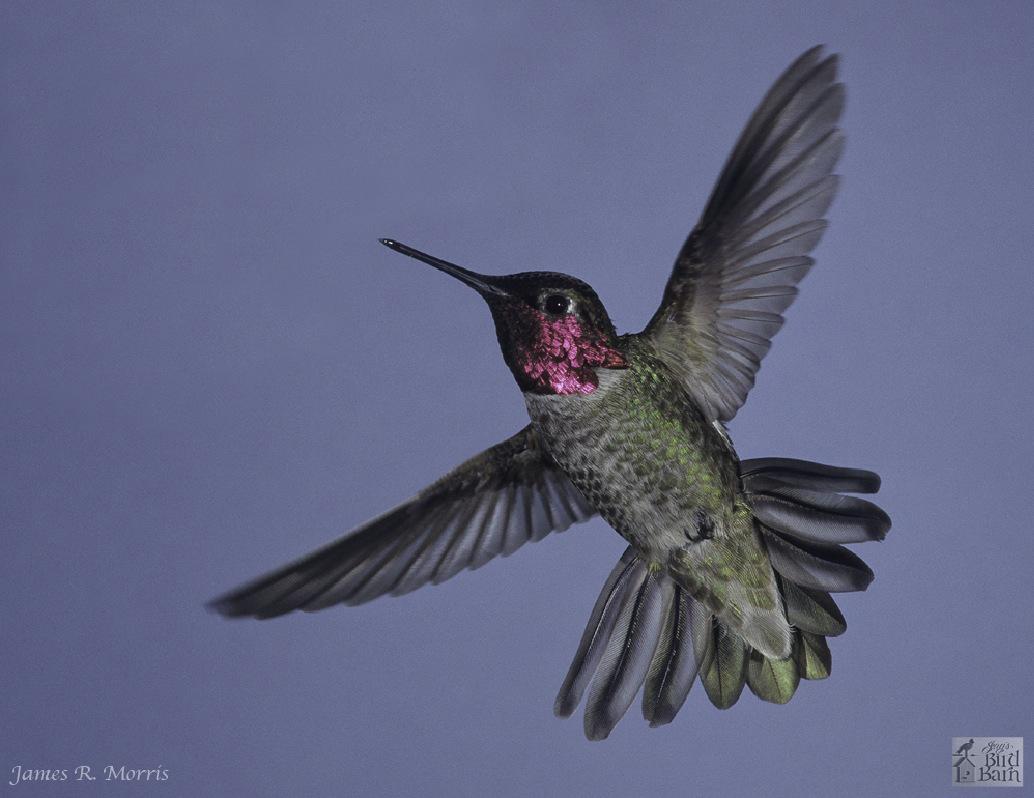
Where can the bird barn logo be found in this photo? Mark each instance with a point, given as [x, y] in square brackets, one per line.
[987, 761]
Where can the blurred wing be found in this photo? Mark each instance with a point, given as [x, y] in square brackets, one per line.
[490, 505]
[738, 270]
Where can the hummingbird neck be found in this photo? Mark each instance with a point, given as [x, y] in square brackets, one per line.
[559, 356]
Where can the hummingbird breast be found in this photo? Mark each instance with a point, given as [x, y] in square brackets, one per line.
[644, 455]
[668, 481]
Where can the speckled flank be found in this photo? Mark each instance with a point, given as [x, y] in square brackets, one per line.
[557, 355]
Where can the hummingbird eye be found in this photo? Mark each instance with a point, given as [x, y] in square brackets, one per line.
[556, 304]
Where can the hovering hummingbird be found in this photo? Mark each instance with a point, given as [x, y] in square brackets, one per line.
[730, 564]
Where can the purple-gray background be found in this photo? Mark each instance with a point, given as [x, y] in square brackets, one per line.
[209, 366]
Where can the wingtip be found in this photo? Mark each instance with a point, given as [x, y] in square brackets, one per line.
[222, 606]
[236, 606]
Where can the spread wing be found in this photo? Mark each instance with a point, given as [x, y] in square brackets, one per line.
[490, 505]
[739, 268]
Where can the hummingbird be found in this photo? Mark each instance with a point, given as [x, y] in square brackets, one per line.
[730, 563]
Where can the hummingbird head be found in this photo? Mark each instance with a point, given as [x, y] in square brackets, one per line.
[552, 328]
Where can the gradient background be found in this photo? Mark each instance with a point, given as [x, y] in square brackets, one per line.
[209, 366]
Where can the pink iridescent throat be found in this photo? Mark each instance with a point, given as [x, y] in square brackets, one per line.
[555, 356]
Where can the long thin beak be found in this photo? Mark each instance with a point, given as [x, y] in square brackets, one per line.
[479, 282]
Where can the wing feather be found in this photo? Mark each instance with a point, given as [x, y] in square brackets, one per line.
[738, 270]
[489, 506]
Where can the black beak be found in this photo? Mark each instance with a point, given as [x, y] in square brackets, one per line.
[481, 283]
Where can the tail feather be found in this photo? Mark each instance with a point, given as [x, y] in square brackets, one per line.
[818, 517]
[776, 680]
[773, 680]
[811, 610]
[629, 654]
[810, 476]
[596, 636]
[646, 631]
[813, 658]
[833, 569]
[721, 657]
[674, 666]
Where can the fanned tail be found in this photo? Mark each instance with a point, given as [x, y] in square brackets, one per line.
[804, 516]
[646, 632]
